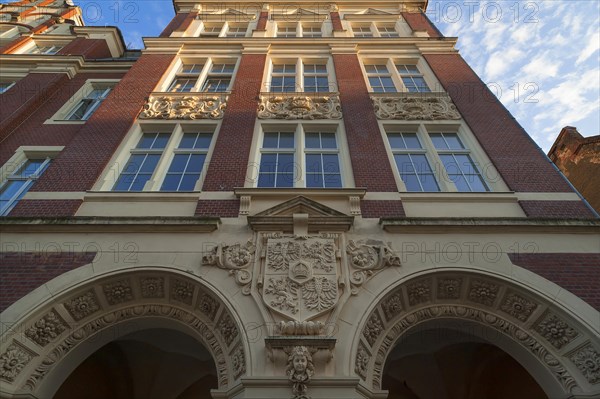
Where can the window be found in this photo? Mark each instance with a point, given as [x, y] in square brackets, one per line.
[433, 161]
[388, 31]
[300, 158]
[412, 78]
[380, 78]
[18, 183]
[286, 30]
[4, 86]
[45, 49]
[362, 31]
[301, 75]
[86, 107]
[283, 78]
[213, 76]
[237, 30]
[457, 161]
[164, 160]
[311, 31]
[211, 30]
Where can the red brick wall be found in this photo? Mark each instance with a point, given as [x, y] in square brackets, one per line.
[336, 21]
[418, 21]
[89, 48]
[220, 208]
[175, 23]
[39, 104]
[46, 208]
[15, 44]
[77, 168]
[370, 163]
[229, 161]
[262, 21]
[521, 163]
[556, 209]
[576, 272]
[22, 272]
[29, 93]
[382, 209]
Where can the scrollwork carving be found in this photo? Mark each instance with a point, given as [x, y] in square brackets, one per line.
[423, 107]
[236, 259]
[184, 107]
[299, 107]
[369, 256]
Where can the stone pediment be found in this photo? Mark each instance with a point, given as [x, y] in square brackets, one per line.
[228, 13]
[316, 216]
[299, 13]
[374, 11]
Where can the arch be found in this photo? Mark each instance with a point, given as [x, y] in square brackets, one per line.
[528, 327]
[62, 332]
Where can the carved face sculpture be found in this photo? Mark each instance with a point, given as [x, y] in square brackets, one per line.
[300, 363]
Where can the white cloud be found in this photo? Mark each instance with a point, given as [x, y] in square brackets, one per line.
[591, 48]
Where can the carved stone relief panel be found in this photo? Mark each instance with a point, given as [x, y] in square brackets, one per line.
[555, 330]
[235, 258]
[13, 360]
[483, 292]
[300, 107]
[434, 106]
[449, 288]
[184, 107]
[117, 292]
[587, 360]
[47, 328]
[82, 305]
[152, 287]
[419, 292]
[518, 306]
[367, 257]
[182, 291]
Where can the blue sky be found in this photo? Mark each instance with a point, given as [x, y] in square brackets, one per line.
[541, 58]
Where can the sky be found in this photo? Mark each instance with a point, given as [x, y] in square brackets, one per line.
[540, 58]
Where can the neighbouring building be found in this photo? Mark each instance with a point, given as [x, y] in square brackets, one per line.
[578, 158]
[273, 201]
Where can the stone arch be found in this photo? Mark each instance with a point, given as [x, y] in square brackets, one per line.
[564, 351]
[49, 342]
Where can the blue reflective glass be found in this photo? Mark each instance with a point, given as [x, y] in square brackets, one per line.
[331, 163]
[179, 162]
[313, 163]
[196, 163]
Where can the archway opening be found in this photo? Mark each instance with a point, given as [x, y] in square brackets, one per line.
[151, 363]
[440, 363]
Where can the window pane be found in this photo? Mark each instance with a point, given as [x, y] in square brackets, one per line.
[203, 141]
[404, 164]
[429, 183]
[411, 182]
[30, 167]
[188, 140]
[331, 163]
[11, 188]
[286, 140]
[285, 180]
[312, 140]
[421, 164]
[313, 163]
[268, 163]
[396, 140]
[179, 163]
[411, 140]
[328, 140]
[333, 181]
[196, 163]
[450, 164]
[460, 182]
[453, 141]
[161, 141]
[171, 183]
[285, 163]
[192, 68]
[188, 182]
[476, 183]
[134, 164]
[140, 182]
[314, 180]
[124, 182]
[270, 140]
[150, 163]
[438, 141]
[266, 180]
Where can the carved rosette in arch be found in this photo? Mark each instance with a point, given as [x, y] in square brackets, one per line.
[516, 314]
[366, 257]
[424, 106]
[81, 316]
[300, 107]
[300, 275]
[174, 106]
[237, 259]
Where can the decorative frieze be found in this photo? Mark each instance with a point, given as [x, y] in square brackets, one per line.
[182, 291]
[419, 292]
[83, 305]
[483, 292]
[235, 258]
[152, 287]
[449, 288]
[227, 328]
[518, 306]
[208, 306]
[300, 328]
[363, 358]
[373, 329]
[299, 107]
[117, 292]
[184, 107]
[555, 330]
[587, 360]
[238, 360]
[47, 328]
[433, 106]
[12, 361]
[392, 306]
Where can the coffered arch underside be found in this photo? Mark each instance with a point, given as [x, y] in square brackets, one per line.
[36, 347]
[559, 345]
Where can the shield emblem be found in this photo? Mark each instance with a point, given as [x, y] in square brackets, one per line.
[300, 277]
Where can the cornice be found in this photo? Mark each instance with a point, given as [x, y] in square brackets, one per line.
[69, 64]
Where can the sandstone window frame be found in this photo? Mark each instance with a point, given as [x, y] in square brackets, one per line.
[201, 77]
[424, 130]
[301, 28]
[9, 172]
[176, 132]
[299, 74]
[301, 129]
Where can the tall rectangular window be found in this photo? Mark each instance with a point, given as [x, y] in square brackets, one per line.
[380, 78]
[219, 78]
[186, 78]
[86, 107]
[412, 79]
[286, 31]
[277, 167]
[18, 183]
[142, 162]
[322, 160]
[188, 162]
[316, 78]
[457, 161]
[211, 30]
[411, 161]
[283, 78]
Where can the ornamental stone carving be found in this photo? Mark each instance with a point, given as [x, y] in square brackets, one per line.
[46, 329]
[419, 292]
[300, 276]
[208, 306]
[392, 306]
[238, 360]
[236, 259]
[117, 292]
[517, 306]
[300, 327]
[368, 257]
[587, 360]
[555, 330]
[362, 362]
[422, 107]
[184, 107]
[12, 361]
[82, 305]
[182, 291]
[299, 107]
[300, 369]
[483, 292]
[228, 329]
[373, 329]
[449, 288]
[152, 287]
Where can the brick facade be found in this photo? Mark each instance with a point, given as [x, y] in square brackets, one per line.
[262, 21]
[22, 272]
[370, 164]
[576, 272]
[226, 172]
[45, 208]
[381, 209]
[219, 208]
[556, 209]
[418, 21]
[89, 48]
[336, 21]
[174, 25]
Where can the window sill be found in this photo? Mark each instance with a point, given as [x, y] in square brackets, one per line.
[142, 196]
[63, 122]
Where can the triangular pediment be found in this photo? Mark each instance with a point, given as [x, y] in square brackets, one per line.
[301, 204]
[374, 11]
[298, 14]
[223, 14]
